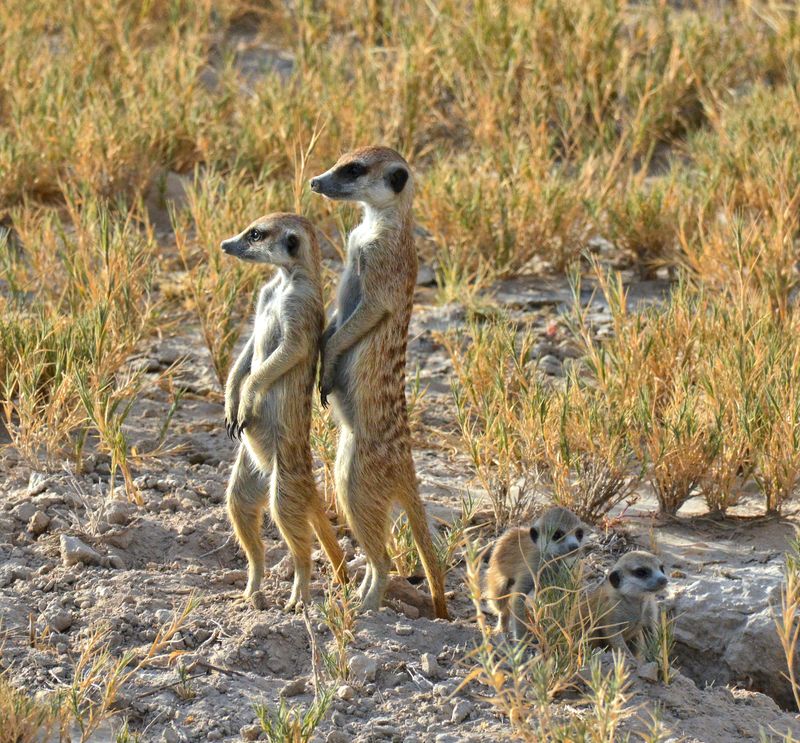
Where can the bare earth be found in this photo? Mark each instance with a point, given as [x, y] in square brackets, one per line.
[179, 544]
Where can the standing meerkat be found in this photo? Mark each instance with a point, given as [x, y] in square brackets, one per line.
[363, 364]
[523, 556]
[268, 404]
[624, 607]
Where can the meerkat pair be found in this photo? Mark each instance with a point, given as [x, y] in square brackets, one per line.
[363, 349]
[617, 613]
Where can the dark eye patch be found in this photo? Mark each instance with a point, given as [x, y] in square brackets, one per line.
[292, 244]
[351, 171]
[558, 535]
[642, 572]
[579, 534]
[255, 235]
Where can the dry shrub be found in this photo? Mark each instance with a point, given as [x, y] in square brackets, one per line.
[495, 389]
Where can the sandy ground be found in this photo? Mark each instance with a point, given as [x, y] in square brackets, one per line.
[178, 544]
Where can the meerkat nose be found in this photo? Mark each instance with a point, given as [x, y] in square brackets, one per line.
[315, 184]
[662, 581]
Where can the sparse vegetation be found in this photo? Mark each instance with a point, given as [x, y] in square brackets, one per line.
[617, 141]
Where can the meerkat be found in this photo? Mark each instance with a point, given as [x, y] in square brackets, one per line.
[363, 364]
[523, 556]
[268, 399]
[623, 607]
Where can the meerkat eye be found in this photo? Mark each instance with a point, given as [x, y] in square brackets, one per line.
[254, 235]
[642, 572]
[351, 171]
[579, 534]
[558, 535]
[292, 244]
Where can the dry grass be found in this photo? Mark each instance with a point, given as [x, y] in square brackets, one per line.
[533, 128]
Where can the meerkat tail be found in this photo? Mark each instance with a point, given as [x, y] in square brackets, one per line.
[418, 522]
[327, 538]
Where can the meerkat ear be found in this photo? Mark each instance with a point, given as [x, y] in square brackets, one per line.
[397, 179]
[534, 534]
[292, 244]
[614, 578]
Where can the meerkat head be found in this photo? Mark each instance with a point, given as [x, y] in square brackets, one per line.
[637, 573]
[377, 176]
[284, 240]
[558, 533]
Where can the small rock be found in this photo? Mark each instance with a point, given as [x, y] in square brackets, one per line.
[232, 577]
[170, 735]
[294, 688]
[345, 692]
[37, 483]
[461, 711]
[549, 364]
[118, 513]
[443, 689]
[425, 275]
[74, 551]
[38, 523]
[648, 672]
[61, 621]
[116, 562]
[410, 611]
[404, 629]
[363, 668]
[337, 736]
[431, 667]
[24, 511]
[250, 732]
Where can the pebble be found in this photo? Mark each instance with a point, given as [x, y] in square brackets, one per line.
[250, 732]
[337, 736]
[74, 551]
[431, 667]
[404, 630]
[38, 523]
[118, 513]
[24, 511]
[362, 667]
[61, 621]
[461, 711]
[648, 672]
[410, 611]
[549, 364]
[294, 688]
[345, 692]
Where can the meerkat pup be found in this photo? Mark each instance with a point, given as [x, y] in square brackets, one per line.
[363, 364]
[623, 607]
[268, 399]
[522, 557]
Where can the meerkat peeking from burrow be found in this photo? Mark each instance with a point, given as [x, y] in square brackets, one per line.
[363, 364]
[523, 557]
[268, 404]
[623, 608]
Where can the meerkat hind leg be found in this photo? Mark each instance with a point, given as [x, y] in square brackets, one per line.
[246, 499]
[290, 516]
